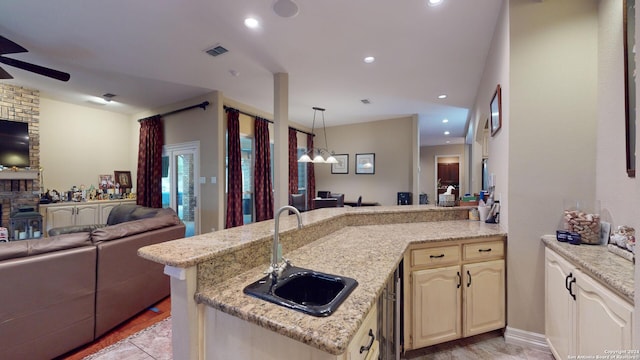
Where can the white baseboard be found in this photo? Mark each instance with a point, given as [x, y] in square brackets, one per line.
[526, 338]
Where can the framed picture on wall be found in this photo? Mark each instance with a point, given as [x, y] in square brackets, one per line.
[342, 167]
[123, 178]
[496, 111]
[366, 163]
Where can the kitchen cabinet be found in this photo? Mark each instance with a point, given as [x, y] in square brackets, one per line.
[453, 291]
[582, 316]
[239, 339]
[365, 344]
[72, 215]
[66, 214]
[449, 173]
[437, 294]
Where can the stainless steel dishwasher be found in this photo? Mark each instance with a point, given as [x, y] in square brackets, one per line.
[389, 317]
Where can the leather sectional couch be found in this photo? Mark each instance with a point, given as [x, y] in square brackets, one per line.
[64, 291]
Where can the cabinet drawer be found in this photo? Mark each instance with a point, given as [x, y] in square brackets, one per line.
[484, 250]
[438, 256]
[364, 339]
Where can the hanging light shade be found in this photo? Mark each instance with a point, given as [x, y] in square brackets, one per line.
[305, 158]
[320, 153]
[331, 160]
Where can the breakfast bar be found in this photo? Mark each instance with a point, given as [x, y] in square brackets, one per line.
[209, 272]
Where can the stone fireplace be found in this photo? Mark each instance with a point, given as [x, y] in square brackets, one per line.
[16, 192]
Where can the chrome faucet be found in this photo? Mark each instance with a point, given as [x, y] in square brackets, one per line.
[276, 268]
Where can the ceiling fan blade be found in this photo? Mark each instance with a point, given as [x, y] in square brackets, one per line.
[5, 75]
[54, 74]
[9, 47]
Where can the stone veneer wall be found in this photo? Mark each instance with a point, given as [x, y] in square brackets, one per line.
[21, 104]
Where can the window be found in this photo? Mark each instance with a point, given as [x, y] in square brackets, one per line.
[246, 149]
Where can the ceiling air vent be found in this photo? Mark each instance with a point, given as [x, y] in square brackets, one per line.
[365, 101]
[216, 50]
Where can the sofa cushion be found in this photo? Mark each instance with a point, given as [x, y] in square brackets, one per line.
[163, 218]
[22, 248]
[129, 212]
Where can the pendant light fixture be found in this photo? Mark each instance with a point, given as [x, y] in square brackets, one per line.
[318, 152]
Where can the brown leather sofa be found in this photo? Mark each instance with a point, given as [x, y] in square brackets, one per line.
[59, 293]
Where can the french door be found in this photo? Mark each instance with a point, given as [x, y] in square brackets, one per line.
[180, 183]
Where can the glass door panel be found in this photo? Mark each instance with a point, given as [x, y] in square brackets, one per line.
[179, 184]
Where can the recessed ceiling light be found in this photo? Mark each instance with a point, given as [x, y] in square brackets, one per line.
[445, 121]
[369, 59]
[448, 142]
[434, 2]
[251, 23]
[447, 133]
[443, 96]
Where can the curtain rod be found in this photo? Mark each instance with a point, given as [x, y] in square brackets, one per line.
[202, 105]
[227, 108]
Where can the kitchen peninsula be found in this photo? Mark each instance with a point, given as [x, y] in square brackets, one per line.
[213, 318]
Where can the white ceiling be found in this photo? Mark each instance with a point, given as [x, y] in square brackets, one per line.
[150, 54]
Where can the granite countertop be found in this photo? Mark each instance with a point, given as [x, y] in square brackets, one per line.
[191, 251]
[367, 253]
[610, 269]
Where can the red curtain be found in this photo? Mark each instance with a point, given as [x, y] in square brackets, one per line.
[149, 180]
[293, 161]
[311, 175]
[234, 181]
[262, 172]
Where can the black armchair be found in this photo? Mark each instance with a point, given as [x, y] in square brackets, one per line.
[298, 202]
[339, 198]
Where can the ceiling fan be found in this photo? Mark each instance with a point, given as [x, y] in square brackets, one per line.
[9, 47]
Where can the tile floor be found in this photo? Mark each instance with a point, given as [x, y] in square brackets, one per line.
[154, 343]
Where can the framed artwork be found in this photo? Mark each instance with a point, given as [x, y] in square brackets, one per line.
[106, 182]
[366, 163]
[496, 111]
[342, 167]
[123, 178]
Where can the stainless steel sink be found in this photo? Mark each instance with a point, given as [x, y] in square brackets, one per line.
[311, 292]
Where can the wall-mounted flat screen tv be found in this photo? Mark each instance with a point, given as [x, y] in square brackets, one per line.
[14, 143]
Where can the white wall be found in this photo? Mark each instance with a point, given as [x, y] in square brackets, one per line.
[613, 186]
[551, 119]
[390, 141]
[79, 143]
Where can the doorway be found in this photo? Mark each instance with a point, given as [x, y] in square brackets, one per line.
[447, 174]
[180, 174]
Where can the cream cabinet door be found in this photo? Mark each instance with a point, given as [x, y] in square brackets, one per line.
[559, 308]
[365, 342]
[436, 295]
[87, 214]
[484, 297]
[603, 320]
[105, 210]
[60, 216]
